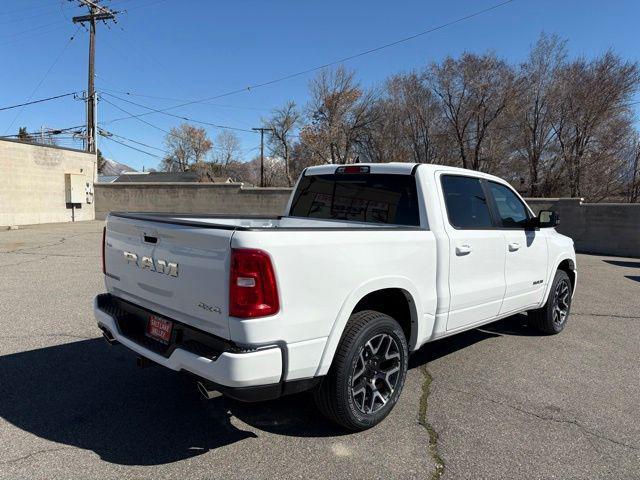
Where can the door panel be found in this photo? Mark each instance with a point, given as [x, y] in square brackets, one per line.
[525, 269]
[476, 278]
[476, 253]
[526, 250]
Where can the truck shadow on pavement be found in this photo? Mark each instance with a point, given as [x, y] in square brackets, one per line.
[93, 397]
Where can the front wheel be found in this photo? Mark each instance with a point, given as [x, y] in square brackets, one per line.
[367, 373]
[552, 318]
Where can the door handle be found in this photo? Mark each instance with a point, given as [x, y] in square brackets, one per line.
[513, 246]
[463, 249]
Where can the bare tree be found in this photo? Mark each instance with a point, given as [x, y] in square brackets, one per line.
[283, 122]
[404, 123]
[274, 175]
[592, 111]
[186, 145]
[340, 112]
[533, 108]
[227, 148]
[474, 91]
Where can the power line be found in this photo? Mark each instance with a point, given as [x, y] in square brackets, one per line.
[49, 131]
[131, 115]
[173, 99]
[335, 62]
[181, 117]
[32, 29]
[28, 9]
[129, 146]
[135, 7]
[39, 101]
[108, 133]
[57, 59]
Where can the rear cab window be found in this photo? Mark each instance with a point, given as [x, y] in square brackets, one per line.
[361, 197]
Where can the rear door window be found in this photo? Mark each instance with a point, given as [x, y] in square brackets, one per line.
[467, 206]
[367, 197]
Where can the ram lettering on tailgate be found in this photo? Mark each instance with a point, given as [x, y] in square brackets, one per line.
[148, 263]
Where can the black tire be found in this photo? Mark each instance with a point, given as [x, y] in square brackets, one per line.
[359, 365]
[552, 318]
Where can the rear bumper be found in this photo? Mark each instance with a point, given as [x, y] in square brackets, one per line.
[260, 367]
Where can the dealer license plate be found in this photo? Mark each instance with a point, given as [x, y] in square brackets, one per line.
[159, 329]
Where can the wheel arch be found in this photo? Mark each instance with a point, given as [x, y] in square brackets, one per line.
[566, 264]
[391, 295]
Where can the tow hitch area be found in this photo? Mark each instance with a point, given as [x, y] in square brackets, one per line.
[143, 362]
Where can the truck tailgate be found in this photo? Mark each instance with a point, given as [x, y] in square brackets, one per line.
[176, 271]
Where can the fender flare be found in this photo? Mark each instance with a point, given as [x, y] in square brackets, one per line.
[559, 259]
[350, 303]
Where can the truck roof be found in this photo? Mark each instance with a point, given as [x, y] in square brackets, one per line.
[397, 168]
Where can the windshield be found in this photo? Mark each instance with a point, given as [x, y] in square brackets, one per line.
[373, 198]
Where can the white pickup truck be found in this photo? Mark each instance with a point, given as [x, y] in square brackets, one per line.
[369, 263]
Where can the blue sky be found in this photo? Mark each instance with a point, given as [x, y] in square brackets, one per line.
[188, 49]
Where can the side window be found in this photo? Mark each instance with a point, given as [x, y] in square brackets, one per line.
[511, 209]
[466, 203]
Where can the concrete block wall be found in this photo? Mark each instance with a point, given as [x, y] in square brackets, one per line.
[608, 229]
[32, 183]
[230, 198]
[601, 228]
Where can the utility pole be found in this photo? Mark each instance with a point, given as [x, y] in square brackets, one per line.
[96, 12]
[262, 130]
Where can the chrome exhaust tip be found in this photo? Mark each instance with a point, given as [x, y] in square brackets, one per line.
[108, 336]
[206, 392]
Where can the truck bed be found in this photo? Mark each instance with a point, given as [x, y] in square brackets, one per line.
[250, 222]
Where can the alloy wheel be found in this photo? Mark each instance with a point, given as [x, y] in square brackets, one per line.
[561, 302]
[376, 372]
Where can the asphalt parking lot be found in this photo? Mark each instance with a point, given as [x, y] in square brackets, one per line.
[498, 402]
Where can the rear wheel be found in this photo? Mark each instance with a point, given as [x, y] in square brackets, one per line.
[367, 374]
[552, 318]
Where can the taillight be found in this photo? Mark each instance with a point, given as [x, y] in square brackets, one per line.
[104, 236]
[253, 291]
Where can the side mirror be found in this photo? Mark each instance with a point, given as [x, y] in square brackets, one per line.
[547, 219]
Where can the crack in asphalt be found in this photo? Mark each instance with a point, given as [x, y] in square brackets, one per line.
[23, 262]
[422, 419]
[46, 255]
[587, 314]
[53, 244]
[45, 335]
[33, 454]
[547, 418]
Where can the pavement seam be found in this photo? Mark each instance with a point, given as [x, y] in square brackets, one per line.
[581, 314]
[47, 255]
[47, 335]
[422, 419]
[59, 242]
[33, 454]
[23, 262]
[547, 418]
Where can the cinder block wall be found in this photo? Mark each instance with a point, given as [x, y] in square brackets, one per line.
[189, 198]
[608, 229]
[32, 183]
[602, 228]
